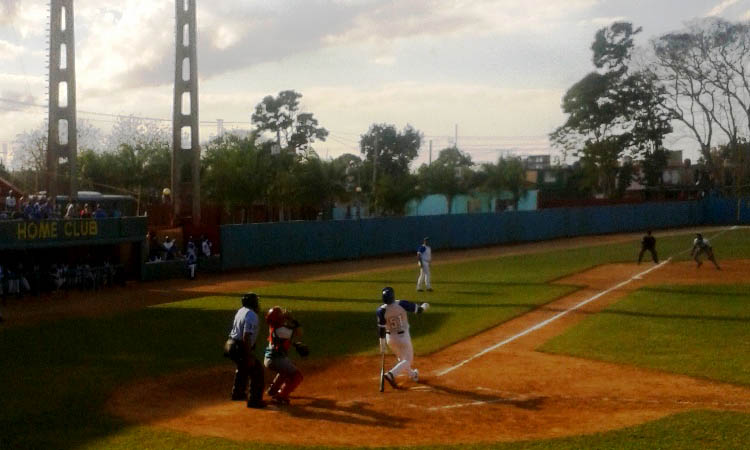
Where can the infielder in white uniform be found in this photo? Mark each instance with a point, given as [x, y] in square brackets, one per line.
[424, 259]
[393, 326]
[702, 247]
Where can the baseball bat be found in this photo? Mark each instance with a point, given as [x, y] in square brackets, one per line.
[382, 371]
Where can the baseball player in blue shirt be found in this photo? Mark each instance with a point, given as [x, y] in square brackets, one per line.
[393, 326]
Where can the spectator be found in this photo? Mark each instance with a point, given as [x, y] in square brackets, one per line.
[17, 281]
[70, 211]
[205, 246]
[154, 253]
[10, 202]
[169, 248]
[99, 212]
[191, 258]
[86, 212]
[28, 208]
[45, 209]
[56, 277]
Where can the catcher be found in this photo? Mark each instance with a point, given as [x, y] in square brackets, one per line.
[283, 333]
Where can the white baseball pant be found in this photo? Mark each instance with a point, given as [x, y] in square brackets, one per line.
[400, 344]
[424, 276]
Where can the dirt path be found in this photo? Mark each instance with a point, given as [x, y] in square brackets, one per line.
[137, 295]
[509, 393]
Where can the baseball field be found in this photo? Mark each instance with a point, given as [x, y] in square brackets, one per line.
[561, 344]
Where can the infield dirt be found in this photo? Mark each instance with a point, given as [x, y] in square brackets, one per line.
[510, 393]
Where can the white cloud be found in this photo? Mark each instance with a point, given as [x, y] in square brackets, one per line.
[721, 7]
[8, 11]
[133, 46]
[9, 50]
[513, 112]
[603, 21]
[397, 20]
[27, 18]
[746, 16]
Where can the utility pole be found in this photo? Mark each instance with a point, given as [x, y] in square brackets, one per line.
[455, 139]
[430, 152]
[62, 132]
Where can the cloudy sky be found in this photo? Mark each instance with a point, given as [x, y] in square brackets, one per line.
[495, 69]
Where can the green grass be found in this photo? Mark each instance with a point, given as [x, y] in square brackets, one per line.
[696, 430]
[695, 330]
[56, 377]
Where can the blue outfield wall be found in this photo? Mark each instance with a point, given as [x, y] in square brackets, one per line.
[268, 244]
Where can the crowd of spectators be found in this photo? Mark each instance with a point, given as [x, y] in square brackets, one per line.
[39, 207]
[19, 280]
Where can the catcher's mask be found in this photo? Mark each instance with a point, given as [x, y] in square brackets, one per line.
[275, 317]
[388, 295]
[250, 300]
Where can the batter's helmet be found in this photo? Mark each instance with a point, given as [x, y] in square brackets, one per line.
[388, 295]
[275, 317]
[250, 300]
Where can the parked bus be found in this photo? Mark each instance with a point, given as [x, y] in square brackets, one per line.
[114, 205]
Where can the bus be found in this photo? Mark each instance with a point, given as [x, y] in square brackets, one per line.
[114, 205]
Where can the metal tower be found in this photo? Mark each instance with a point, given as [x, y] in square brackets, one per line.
[185, 144]
[62, 131]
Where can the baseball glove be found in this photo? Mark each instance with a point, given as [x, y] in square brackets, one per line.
[302, 349]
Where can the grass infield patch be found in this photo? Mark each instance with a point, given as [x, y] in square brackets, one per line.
[701, 331]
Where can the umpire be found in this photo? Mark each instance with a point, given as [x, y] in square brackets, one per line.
[239, 348]
[648, 243]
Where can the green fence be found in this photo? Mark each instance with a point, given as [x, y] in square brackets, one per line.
[267, 244]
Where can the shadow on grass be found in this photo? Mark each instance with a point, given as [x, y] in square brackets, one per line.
[697, 292]
[447, 304]
[58, 377]
[441, 283]
[677, 316]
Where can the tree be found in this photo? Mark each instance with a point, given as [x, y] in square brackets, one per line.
[319, 183]
[389, 153]
[508, 175]
[612, 110]
[280, 116]
[514, 176]
[704, 71]
[235, 172]
[450, 175]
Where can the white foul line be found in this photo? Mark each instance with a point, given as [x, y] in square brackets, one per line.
[562, 313]
[551, 319]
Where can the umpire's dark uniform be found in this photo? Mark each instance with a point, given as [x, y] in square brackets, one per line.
[648, 243]
[239, 348]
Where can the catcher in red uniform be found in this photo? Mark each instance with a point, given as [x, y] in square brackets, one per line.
[283, 333]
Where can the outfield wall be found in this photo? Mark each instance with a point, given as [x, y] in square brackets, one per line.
[268, 244]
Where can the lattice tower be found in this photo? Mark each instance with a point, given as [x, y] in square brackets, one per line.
[61, 131]
[185, 143]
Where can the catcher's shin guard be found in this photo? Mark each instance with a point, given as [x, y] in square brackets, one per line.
[275, 386]
[291, 384]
